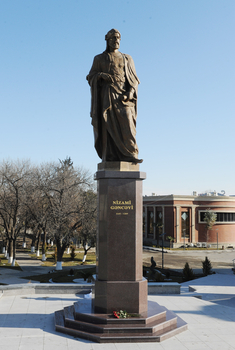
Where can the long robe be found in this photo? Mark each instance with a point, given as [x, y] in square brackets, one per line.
[113, 119]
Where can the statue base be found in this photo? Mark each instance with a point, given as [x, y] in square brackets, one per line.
[156, 325]
[119, 283]
[118, 166]
[121, 295]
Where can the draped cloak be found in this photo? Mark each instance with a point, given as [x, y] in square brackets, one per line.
[113, 119]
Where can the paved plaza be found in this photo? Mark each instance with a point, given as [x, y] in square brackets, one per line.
[208, 306]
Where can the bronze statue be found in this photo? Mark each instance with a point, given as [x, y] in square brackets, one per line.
[114, 84]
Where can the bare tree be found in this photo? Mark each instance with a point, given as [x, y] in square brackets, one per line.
[3, 238]
[13, 181]
[58, 199]
[64, 189]
[37, 206]
[87, 233]
[209, 219]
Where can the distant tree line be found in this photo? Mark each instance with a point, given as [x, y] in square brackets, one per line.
[55, 201]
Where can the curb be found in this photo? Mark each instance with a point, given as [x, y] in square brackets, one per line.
[42, 288]
[154, 288]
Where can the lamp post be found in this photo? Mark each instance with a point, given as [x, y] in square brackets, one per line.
[217, 239]
[162, 236]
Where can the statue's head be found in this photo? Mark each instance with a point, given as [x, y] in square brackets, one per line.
[113, 38]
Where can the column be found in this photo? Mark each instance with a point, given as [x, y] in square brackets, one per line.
[154, 220]
[178, 236]
[193, 224]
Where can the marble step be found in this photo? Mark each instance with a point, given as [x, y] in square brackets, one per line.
[121, 328]
[106, 329]
[120, 337]
[155, 313]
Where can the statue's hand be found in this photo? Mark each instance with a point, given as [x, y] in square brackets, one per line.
[128, 96]
[107, 77]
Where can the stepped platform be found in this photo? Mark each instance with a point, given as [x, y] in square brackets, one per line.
[156, 325]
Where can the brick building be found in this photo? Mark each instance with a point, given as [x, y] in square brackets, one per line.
[181, 217]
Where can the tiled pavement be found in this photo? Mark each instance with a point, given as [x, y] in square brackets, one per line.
[27, 321]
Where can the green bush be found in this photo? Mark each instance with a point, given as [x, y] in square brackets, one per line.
[206, 267]
[188, 273]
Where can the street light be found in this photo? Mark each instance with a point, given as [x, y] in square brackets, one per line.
[162, 236]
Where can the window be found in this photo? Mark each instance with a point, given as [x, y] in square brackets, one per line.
[159, 222]
[185, 224]
[150, 222]
[221, 216]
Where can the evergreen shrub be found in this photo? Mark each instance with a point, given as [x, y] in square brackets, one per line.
[188, 274]
[206, 267]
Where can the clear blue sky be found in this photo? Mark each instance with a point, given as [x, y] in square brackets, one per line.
[184, 55]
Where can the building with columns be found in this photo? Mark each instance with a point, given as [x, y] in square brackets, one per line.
[181, 217]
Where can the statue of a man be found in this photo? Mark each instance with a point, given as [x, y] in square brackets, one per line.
[114, 84]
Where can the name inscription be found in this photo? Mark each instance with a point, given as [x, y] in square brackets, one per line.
[122, 205]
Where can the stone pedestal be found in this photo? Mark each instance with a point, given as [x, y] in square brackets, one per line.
[119, 283]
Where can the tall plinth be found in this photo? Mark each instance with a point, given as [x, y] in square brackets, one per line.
[119, 284]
